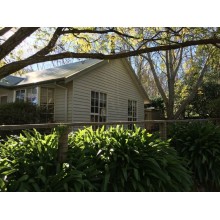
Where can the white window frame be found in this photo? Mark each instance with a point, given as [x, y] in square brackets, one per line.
[132, 117]
[40, 101]
[99, 113]
[25, 93]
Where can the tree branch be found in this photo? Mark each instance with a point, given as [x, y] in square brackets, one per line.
[180, 60]
[193, 92]
[15, 40]
[18, 65]
[94, 31]
[5, 30]
[158, 84]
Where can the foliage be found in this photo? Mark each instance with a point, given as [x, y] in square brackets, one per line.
[199, 144]
[128, 161]
[49, 44]
[157, 103]
[115, 159]
[19, 113]
[207, 101]
[29, 163]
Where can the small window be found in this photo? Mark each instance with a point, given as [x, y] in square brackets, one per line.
[98, 107]
[32, 95]
[4, 99]
[132, 112]
[20, 95]
[26, 95]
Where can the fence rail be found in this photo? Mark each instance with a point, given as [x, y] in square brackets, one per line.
[63, 144]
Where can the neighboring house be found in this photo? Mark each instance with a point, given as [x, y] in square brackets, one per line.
[90, 90]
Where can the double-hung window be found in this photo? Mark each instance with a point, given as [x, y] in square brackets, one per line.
[98, 107]
[132, 112]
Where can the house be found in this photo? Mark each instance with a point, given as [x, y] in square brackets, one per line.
[90, 90]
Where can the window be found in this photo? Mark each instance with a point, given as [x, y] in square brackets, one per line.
[32, 95]
[132, 112]
[28, 95]
[20, 95]
[98, 107]
[47, 104]
[4, 99]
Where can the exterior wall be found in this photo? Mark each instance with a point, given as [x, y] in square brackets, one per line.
[63, 104]
[59, 104]
[69, 101]
[8, 93]
[112, 79]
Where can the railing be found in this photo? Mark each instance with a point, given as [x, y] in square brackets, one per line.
[63, 139]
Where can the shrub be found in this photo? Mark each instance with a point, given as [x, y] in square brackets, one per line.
[199, 144]
[29, 163]
[19, 113]
[123, 160]
[103, 160]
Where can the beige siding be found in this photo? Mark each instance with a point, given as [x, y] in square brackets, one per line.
[112, 79]
[59, 104]
[62, 107]
[69, 101]
[7, 92]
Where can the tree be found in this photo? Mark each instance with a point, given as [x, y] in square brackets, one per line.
[96, 43]
[183, 69]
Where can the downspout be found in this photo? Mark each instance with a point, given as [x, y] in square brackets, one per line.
[65, 101]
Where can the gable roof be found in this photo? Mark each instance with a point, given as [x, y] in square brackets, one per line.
[67, 73]
[58, 73]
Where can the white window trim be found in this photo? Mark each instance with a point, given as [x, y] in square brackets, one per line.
[25, 94]
[132, 100]
[98, 114]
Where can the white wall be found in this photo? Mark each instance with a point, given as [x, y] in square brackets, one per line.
[112, 79]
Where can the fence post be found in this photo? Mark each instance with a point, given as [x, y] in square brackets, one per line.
[163, 130]
[63, 143]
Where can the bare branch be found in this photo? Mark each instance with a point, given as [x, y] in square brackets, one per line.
[158, 84]
[180, 60]
[95, 31]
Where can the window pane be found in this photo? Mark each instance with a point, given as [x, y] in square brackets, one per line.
[47, 103]
[98, 107]
[32, 95]
[20, 94]
[132, 110]
[43, 99]
[43, 91]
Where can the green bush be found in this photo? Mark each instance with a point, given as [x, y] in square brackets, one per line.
[19, 113]
[115, 159]
[199, 144]
[122, 160]
[29, 163]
